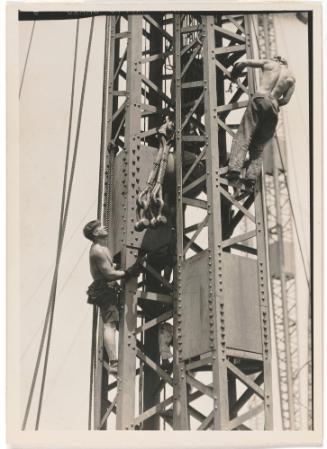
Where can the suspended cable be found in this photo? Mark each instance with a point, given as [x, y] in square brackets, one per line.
[26, 59]
[293, 215]
[59, 293]
[66, 354]
[59, 245]
[285, 43]
[76, 229]
[63, 221]
[30, 396]
[65, 216]
[297, 190]
[71, 108]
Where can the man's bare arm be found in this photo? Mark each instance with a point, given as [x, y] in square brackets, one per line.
[258, 63]
[240, 65]
[106, 268]
[287, 95]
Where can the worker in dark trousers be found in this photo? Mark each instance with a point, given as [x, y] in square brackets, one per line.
[260, 119]
[104, 290]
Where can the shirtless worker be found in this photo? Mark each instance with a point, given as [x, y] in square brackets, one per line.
[103, 292]
[260, 119]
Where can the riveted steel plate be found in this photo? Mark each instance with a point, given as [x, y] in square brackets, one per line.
[195, 312]
[241, 305]
[141, 164]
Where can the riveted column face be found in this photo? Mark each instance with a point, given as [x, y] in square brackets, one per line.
[181, 417]
[215, 249]
[105, 215]
[281, 255]
[216, 297]
[130, 164]
[262, 261]
[222, 301]
[138, 99]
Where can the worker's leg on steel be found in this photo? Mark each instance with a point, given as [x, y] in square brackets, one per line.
[109, 339]
[242, 140]
[265, 131]
[255, 163]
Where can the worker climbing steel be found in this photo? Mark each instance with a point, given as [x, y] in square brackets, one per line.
[104, 290]
[260, 119]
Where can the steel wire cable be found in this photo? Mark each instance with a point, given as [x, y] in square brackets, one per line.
[293, 214]
[27, 347]
[65, 216]
[26, 59]
[300, 109]
[62, 226]
[59, 245]
[66, 354]
[76, 229]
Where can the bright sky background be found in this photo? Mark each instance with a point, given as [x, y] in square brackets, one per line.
[44, 109]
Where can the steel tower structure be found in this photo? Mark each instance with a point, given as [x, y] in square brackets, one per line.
[281, 254]
[216, 295]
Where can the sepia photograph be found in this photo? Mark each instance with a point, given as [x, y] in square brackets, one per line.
[166, 170]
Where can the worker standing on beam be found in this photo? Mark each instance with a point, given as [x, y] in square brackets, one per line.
[260, 119]
[104, 290]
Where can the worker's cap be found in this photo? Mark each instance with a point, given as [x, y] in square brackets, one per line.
[280, 59]
[89, 228]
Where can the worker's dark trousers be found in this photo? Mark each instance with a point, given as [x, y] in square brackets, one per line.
[257, 127]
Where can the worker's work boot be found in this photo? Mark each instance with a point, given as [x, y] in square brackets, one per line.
[233, 175]
[249, 183]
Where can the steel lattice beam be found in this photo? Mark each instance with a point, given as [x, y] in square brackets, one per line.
[203, 102]
[136, 95]
[282, 267]
[140, 88]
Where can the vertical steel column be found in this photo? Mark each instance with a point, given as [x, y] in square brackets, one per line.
[113, 56]
[180, 416]
[262, 265]
[215, 263]
[104, 212]
[203, 59]
[282, 281]
[151, 393]
[127, 338]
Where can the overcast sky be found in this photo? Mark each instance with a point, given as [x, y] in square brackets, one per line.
[44, 109]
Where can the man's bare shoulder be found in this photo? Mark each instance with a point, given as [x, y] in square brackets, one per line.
[98, 251]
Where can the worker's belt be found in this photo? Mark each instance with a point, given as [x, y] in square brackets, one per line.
[100, 292]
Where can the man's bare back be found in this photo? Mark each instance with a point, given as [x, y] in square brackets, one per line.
[277, 80]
